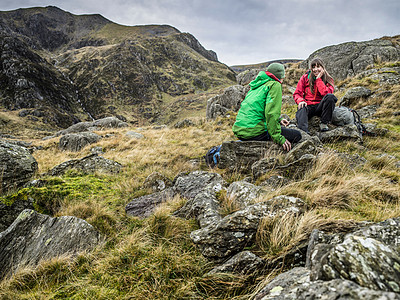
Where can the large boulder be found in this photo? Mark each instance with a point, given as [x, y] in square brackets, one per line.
[88, 164]
[242, 193]
[189, 185]
[245, 77]
[204, 207]
[109, 122]
[230, 100]
[240, 155]
[294, 169]
[347, 132]
[77, 141]
[34, 237]
[144, 206]
[349, 59]
[221, 240]
[368, 256]
[17, 166]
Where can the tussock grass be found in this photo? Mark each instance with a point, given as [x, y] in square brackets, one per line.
[277, 235]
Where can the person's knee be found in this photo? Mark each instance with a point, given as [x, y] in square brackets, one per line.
[296, 137]
[330, 98]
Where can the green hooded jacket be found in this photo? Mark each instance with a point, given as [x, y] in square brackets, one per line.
[260, 110]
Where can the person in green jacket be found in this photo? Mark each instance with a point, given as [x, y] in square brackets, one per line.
[258, 118]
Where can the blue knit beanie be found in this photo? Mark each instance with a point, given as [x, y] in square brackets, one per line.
[277, 69]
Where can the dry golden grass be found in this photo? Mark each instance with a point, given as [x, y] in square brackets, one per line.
[277, 235]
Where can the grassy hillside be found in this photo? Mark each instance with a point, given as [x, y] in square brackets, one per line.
[154, 258]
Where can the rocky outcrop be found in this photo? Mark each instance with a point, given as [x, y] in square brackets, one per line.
[30, 82]
[245, 77]
[198, 187]
[220, 240]
[88, 164]
[77, 141]
[362, 264]
[352, 58]
[189, 185]
[353, 94]
[17, 166]
[341, 133]
[368, 256]
[296, 284]
[34, 237]
[230, 100]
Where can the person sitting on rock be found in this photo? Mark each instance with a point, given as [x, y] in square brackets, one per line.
[314, 96]
[258, 118]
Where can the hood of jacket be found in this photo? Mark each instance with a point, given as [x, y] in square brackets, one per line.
[262, 78]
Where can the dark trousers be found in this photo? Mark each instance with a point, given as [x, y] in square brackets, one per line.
[292, 135]
[324, 109]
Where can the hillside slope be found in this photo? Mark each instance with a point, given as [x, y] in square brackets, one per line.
[83, 67]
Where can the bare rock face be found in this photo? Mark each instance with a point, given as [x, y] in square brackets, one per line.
[17, 166]
[33, 237]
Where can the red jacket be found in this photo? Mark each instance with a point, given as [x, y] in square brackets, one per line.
[304, 93]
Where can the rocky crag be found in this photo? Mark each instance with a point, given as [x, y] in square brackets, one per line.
[60, 68]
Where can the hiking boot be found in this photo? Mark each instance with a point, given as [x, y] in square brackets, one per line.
[323, 127]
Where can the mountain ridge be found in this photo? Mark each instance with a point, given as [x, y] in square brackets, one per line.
[101, 68]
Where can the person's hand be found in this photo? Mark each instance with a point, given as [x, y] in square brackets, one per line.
[301, 104]
[284, 122]
[287, 146]
[321, 73]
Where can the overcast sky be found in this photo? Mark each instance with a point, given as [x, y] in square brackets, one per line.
[249, 31]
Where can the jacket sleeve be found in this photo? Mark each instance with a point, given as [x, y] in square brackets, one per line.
[273, 107]
[298, 95]
[322, 88]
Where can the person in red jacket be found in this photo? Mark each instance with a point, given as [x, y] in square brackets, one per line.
[314, 96]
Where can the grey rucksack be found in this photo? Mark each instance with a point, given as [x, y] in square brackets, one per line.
[344, 116]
